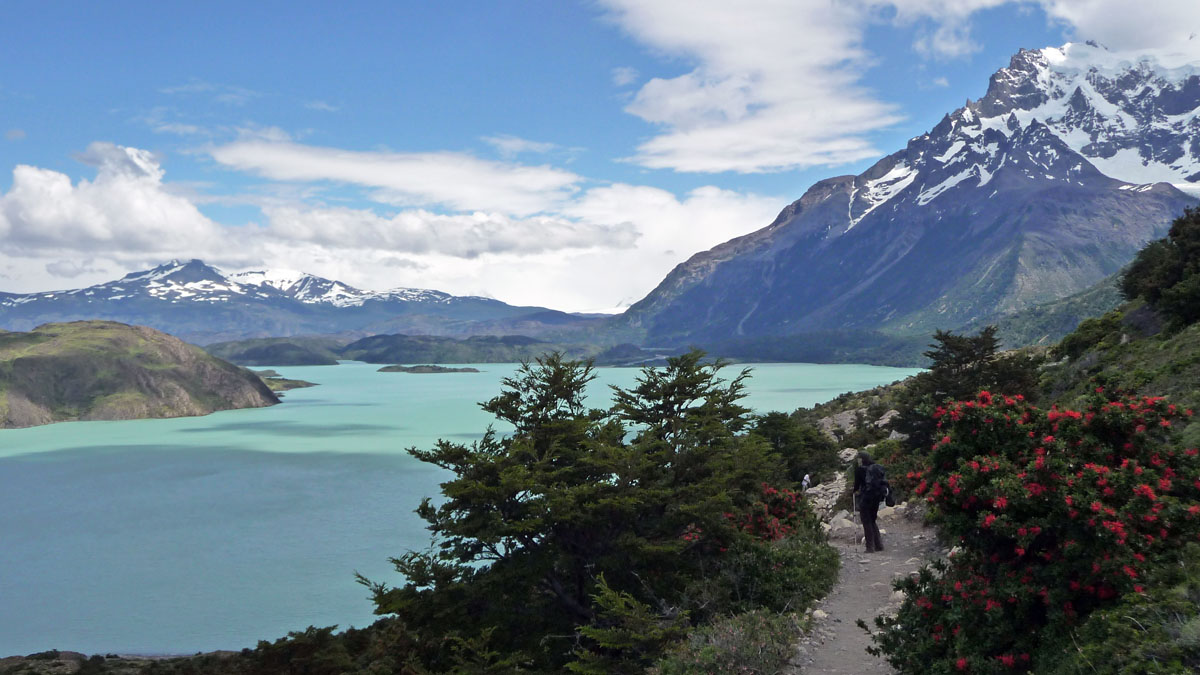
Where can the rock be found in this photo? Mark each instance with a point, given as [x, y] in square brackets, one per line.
[847, 455]
[818, 614]
[887, 418]
[834, 425]
[840, 524]
[887, 512]
[842, 515]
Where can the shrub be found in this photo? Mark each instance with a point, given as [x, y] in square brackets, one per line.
[753, 643]
[1058, 513]
[1156, 632]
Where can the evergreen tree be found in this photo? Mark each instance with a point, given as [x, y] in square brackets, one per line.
[1166, 273]
[551, 540]
[960, 367]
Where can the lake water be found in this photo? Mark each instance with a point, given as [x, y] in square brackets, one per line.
[202, 533]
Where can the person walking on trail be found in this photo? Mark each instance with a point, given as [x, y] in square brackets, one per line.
[806, 482]
[870, 488]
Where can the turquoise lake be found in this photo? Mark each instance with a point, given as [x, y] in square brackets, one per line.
[202, 533]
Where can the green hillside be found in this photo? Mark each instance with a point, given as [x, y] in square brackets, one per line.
[102, 370]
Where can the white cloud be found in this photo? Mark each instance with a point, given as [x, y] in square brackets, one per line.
[14, 134]
[1123, 24]
[775, 84]
[124, 211]
[419, 232]
[511, 146]
[458, 181]
[945, 30]
[940, 82]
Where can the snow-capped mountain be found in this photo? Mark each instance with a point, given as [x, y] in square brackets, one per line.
[312, 289]
[1071, 161]
[203, 304]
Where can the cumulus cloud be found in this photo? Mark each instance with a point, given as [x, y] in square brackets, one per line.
[14, 134]
[454, 180]
[125, 209]
[1120, 24]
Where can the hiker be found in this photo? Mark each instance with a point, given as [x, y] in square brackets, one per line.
[870, 488]
[806, 482]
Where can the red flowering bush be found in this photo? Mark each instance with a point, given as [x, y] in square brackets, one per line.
[905, 469]
[777, 513]
[1055, 512]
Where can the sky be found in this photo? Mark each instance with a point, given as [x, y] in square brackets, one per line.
[560, 153]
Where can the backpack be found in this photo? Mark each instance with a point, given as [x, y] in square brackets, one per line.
[875, 486]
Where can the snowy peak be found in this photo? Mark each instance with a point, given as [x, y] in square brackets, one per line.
[177, 271]
[1077, 114]
[1134, 115]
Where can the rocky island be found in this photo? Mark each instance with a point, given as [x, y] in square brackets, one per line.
[104, 370]
[425, 369]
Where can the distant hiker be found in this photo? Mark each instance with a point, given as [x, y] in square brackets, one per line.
[870, 488]
[806, 482]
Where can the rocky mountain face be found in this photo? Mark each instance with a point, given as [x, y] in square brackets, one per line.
[1074, 158]
[201, 304]
[102, 370]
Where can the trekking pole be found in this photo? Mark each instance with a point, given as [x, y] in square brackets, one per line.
[857, 525]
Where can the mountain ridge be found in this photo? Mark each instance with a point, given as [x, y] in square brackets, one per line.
[1011, 183]
[202, 304]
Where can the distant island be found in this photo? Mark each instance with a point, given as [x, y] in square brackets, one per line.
[104, 370]
[425, 369]
[279, 383]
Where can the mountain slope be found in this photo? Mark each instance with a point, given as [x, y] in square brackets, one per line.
[101, 370]
[1001, 206]
[201, 304]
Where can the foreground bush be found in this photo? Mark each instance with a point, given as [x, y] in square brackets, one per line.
[754, 643]
[1157, 632]
[1057, 514]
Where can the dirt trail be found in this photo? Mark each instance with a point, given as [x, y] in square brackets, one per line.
[863, 591]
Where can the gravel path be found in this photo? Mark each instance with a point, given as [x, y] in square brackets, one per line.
[864, 590]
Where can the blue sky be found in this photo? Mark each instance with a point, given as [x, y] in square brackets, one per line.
[562, 153]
